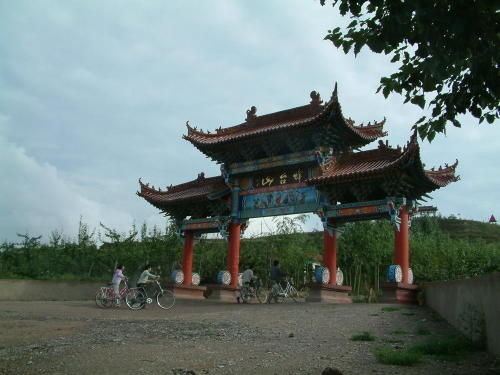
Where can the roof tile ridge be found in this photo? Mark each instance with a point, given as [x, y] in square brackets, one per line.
[349, 122]
[411, 148]
[310, 112]
[194, 131]
[201, 180]
[447, 173]
[147, 190]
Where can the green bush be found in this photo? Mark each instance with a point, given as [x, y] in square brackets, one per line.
[403, 357]
[364, 336]
[365, 251]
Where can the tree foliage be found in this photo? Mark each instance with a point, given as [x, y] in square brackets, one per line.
[365, 251]
[447, 51]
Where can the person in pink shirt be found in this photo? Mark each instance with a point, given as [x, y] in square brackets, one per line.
[118, 276]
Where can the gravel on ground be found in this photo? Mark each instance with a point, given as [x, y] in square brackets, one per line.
[206, 337]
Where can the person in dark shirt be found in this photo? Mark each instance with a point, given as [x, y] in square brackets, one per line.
[277, 276]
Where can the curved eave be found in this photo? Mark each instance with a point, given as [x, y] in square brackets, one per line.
[444, 176]
[407, 161]
[196, 191]
[363, 134]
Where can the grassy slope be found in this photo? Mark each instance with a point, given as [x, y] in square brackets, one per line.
[471, 229]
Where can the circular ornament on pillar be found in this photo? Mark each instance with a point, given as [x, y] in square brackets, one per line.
[394, 273]
[195, 278]
[340, 277]
[177, 277]
[322, 275]
[224, 277]
[410, 276]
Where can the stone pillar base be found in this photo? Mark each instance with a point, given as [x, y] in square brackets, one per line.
[399, 293]
[222, 293]
[329, 293]
[192, 292]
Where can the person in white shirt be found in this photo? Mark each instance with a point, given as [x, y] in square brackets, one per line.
[247, 277]
[248, 283]
[118, 276]
[146, 277]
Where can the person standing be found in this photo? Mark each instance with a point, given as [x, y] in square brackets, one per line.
[277, 276]
[118, 276]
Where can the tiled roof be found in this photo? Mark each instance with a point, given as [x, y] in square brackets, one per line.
[307, 115]
[361, 165]
[443, 176]
[200, 188]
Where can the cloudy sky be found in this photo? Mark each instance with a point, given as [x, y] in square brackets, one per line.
[95, 94]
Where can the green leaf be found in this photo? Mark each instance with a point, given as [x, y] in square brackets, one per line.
[386, 91]
[431, 135]
[418, 100]
[395, 58]
[490, 118]
[475, 111]
[352, 24]
[420, 120]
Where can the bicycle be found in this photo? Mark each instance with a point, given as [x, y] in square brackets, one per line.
[249, 291]
[106, 297]
[278, 293]
[137, 298]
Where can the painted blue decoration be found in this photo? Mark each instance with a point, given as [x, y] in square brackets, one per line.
[177, 277]
[283, 198]
[322, 275]
[224, 278]
[394, 274]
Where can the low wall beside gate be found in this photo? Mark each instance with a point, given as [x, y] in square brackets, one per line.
[470, 305]
[42, 290]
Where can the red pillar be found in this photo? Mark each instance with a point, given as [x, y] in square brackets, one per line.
[187, 258]
[330, 255]
[233, 253]
[404, 245]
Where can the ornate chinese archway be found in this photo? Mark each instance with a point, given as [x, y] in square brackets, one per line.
[300, 160]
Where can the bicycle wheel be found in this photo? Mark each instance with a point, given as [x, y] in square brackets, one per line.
[108, 296]
[165, 299]
[135, 299]
[293, 294]
[275, 294]
[100, 299]
[245, 294]
[261, 295]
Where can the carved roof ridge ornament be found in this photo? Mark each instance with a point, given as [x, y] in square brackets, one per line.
[315, 99]
[366, 132]
[335, 96]
[251, 114]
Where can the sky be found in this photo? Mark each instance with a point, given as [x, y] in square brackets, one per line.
[95, 94]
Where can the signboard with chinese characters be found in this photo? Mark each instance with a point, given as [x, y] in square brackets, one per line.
[283, 202]
[280, 177]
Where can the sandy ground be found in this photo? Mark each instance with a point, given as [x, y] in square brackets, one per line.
[211, 338]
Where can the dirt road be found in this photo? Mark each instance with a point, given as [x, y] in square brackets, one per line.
[211, 338]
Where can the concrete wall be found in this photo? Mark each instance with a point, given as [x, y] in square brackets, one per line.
[463, 303]
[41, 290]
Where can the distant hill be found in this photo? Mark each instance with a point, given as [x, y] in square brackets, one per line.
[469, 229]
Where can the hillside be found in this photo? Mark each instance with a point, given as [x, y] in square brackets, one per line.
[469, 229]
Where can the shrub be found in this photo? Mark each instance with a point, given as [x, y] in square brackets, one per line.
[390, 356]
[364, 336]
